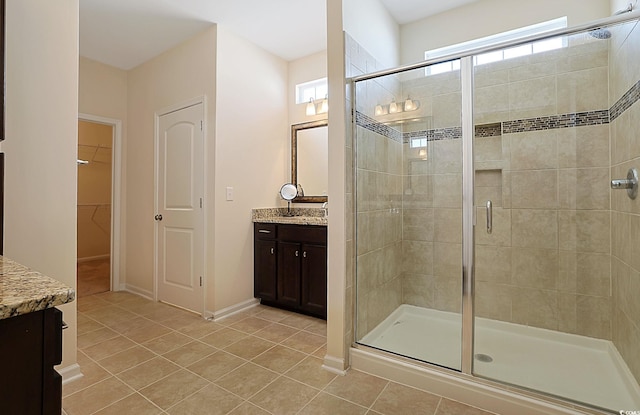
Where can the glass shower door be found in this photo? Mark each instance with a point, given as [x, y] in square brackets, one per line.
[408, 142]
[543, 303]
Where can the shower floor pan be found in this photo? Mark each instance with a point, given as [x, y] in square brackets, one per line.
[579, 368]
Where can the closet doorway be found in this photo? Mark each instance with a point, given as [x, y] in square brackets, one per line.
[95, 221]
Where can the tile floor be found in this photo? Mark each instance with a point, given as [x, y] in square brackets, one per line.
[145, 358]
[93, 276]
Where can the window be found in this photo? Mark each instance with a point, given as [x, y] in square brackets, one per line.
[418, 142]
[317, 89]
[499, 55]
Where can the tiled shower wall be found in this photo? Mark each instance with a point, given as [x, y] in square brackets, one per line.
[379, 203]
[554, 129]
[625, 215]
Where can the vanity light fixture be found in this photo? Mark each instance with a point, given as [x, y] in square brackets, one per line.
[321, 108]
[395, 107]
[324, 105]
[311, 107]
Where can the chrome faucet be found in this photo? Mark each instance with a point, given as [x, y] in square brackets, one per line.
[326, 209]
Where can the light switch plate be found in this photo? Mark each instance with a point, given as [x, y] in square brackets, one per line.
[229, 193]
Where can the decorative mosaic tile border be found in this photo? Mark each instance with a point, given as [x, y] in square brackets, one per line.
[628, 99]
[576, 119]
[377, 127]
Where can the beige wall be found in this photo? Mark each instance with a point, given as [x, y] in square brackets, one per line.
[369, 23]
[40, 145]
[488, 17]
[251, 153]
[625, 217]
[94, 189]
[185, 72]
[302, 70]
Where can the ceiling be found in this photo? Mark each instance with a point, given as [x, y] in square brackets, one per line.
[126, 33]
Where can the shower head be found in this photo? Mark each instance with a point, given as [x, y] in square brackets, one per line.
[600, 33]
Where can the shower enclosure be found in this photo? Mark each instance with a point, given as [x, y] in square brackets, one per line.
[488, 238]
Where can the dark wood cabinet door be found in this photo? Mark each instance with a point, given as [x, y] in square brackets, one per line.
[289, 256]
[265, 272]
[314, 279]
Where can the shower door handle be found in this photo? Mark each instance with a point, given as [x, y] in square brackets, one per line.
[489, 216]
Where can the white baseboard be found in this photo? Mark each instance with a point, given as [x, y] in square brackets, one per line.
[135, 290]
[70, 373]
[334, 365]
[231, 310]
[456, 387]
[93, 258]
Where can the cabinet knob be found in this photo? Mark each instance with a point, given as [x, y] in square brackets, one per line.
[304, 254]
[271, 251]
[297, 253]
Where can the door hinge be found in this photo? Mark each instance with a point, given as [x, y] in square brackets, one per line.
[200, 203]
[201, 281]
[201, 122]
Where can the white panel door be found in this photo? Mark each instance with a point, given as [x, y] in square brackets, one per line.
[179, 216]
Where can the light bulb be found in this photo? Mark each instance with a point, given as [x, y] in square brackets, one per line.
[311, 107]
[393, 107]
[324, 106]
[378, 110]
[409, 105]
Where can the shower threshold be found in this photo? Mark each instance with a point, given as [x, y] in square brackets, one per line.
[578, 368]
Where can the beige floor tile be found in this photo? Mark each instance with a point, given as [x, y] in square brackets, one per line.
[116, 297]
[108, 347]
[87, 324]
[168, 342]
[200, 328]
[449, 407]
[297, 321]
[248, 409]
[232, 319]
[159, 312]
[325, 404]
[310, 372]
[90, 303]
[271, 313]
[189, 353]
[181, 321]
[126, 359]
[174, 388]
[95, 337]
[284, 396]
[92, 374]
[223, 338]
[357, 387]
[133, 404]
[95, 397]
[251, 325]
[399, 399]
[318, 327]
[276, 332]
[321, 352]
[305, 342]
[247, 380]
[279, 359]
[111, 316]
[216, 365]
[211, 400]
[147, 332]
[249, 347]
[148, 372]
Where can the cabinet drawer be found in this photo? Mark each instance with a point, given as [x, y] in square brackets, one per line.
[265, 230]
[303, 233]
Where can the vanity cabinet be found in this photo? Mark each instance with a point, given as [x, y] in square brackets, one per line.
[31, 347]
[290, 267]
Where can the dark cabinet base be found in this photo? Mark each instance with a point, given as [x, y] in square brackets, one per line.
[30, 345]
[290, 267]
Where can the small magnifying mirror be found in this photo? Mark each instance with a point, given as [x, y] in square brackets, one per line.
[288, 192]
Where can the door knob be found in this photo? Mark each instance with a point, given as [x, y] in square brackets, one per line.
[158, 217]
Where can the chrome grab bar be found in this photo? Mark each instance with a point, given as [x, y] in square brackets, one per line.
[489, 216]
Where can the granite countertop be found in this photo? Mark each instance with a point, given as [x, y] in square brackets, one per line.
[23, 290]
[301, 216]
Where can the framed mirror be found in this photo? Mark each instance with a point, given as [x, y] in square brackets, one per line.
[310, 161]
